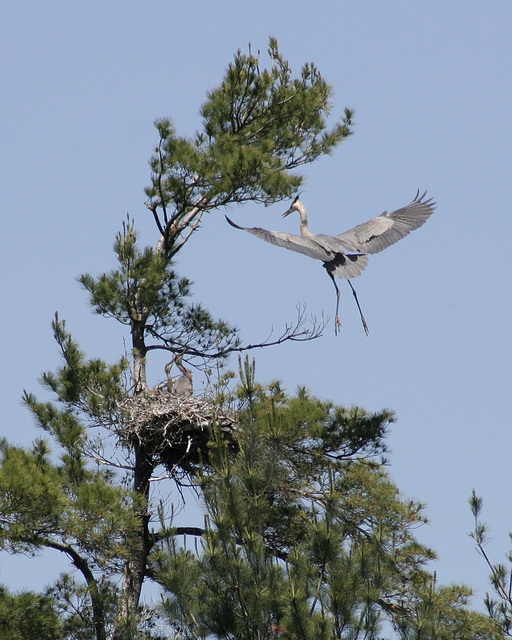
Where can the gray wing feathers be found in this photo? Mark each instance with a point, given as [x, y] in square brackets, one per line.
[384, 230]
[287, 241]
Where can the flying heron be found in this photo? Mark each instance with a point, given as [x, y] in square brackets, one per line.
[344, 255]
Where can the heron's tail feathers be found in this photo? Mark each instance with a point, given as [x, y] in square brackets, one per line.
[348, 265]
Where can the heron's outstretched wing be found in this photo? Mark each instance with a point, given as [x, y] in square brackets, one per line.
[307, 246]
[384, 230]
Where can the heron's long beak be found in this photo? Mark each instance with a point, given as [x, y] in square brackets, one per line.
[287, 212]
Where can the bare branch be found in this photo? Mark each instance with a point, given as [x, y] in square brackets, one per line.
[297, 332]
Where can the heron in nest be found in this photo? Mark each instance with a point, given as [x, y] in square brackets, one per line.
[182, 385]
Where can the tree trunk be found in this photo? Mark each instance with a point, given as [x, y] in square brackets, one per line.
[98, 609]
[140, 546]
[139, 356]
[135, 567]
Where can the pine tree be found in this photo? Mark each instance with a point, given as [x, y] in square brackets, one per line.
[499, 606]
[305, 535]
[258, 125]
[28, 615]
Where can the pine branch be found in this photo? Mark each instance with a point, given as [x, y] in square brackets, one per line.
[259, 125]
[291, 333]
[82, 565]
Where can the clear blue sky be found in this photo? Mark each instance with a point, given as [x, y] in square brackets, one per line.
[82, 83]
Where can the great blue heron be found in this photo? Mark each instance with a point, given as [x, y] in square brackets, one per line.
[182, 385]
[370, 237]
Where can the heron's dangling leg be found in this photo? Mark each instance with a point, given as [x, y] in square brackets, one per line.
[337, 323]
[365, 326]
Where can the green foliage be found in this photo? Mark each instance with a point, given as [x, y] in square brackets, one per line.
[31, 497]
[27, 615]
[305, 532]
[143, 285]
[87, 388]
[443, 614]
[258, 126]
[67, 504]
[305, 535]
[145, 293]
[499, 607]
[72, 602]
[43, 504]
[307, 541]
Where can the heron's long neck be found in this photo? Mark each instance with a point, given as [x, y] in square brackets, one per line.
[184, 370]
[304, 229]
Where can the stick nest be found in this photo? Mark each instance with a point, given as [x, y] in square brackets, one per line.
[175, 430]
